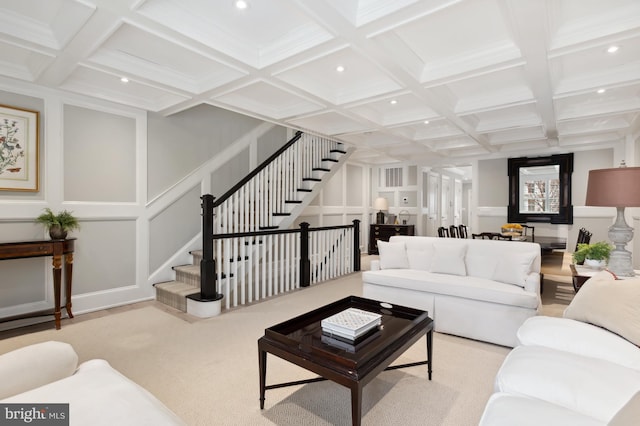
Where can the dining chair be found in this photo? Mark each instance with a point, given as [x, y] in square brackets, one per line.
[525, 232]
[453, 232]
[443, 232]
[584, 237]
[462, 231]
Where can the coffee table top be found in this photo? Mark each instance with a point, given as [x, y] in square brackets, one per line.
[302, 335]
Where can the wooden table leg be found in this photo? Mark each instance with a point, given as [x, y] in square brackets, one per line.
[429, 351]
[356, 404]
[57, 278]
[262, 361]
[68, 276]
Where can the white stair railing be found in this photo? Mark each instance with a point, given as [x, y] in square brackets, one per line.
[270, 192]
[257, 265]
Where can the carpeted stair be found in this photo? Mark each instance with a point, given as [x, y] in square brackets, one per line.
[174, 293]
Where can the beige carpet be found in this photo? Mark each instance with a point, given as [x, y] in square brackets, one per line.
[206, 371]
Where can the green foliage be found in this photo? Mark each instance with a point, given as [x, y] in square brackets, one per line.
[64, 219]
[597, 251]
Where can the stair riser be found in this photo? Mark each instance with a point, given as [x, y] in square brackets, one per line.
[190, 278]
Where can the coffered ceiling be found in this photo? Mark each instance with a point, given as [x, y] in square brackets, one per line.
[436, 81]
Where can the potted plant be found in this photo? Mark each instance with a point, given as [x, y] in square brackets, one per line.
[58, 224]
[594, 255]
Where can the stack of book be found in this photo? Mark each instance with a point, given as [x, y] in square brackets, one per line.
[350, 328]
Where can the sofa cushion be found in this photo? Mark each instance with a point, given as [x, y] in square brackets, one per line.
[590, 386]
[392, 255]
[614, 305]
[579, 338]
[481, 265]
[508, 410]
[513, 268]
[449, 259]
[97, 394]
[420, 259]
[453, 285]
[35, 365]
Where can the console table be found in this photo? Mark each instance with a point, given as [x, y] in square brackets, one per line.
[56, 248]
[381, 232]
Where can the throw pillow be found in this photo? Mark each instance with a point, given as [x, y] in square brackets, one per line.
[513, 269]
[480, 265]
[392, 255]
[610, 304]
[420, 259]
[449, 259]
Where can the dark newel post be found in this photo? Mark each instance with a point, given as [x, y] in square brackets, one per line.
[208, 291]
[305, 263]
[356, 245]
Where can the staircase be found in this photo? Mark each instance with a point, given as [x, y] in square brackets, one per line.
[269, 198]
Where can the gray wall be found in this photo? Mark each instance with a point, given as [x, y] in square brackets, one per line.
[180, 143]
[174, 227]
[270, 142]
[493, 182]
[122, 172]
[99, 156]
[230, 173]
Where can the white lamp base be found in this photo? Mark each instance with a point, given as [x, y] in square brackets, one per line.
[620, 259]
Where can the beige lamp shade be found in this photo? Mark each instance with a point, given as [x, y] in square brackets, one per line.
[617, 187]
[381, 204]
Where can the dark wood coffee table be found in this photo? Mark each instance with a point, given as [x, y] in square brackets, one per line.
[299, 341]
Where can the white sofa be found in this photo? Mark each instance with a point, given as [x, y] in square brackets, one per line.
[480, 289]
[96, 393]
[577, 370]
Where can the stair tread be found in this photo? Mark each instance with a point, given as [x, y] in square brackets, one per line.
[177, 287]
[188, 268]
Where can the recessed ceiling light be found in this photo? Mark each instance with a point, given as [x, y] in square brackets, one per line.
[340, 68]
[241, 4]
[613, 49]
[393, 102]
[601, 91]
[426, 121]
[124, 79]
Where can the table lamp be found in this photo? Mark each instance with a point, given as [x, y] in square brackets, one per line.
[619, 188]
[380, 204]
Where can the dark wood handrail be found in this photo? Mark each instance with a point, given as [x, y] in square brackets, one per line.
[257, 170]
[276, 231]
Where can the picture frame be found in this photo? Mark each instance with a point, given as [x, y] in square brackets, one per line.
[19, 149]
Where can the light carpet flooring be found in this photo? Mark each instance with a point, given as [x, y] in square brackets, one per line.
[206, 370]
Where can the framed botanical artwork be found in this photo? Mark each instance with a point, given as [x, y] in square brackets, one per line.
[19, 162]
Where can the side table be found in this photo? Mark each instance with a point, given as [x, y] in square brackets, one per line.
[59, 250]
[580, 274]
[379, 232]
